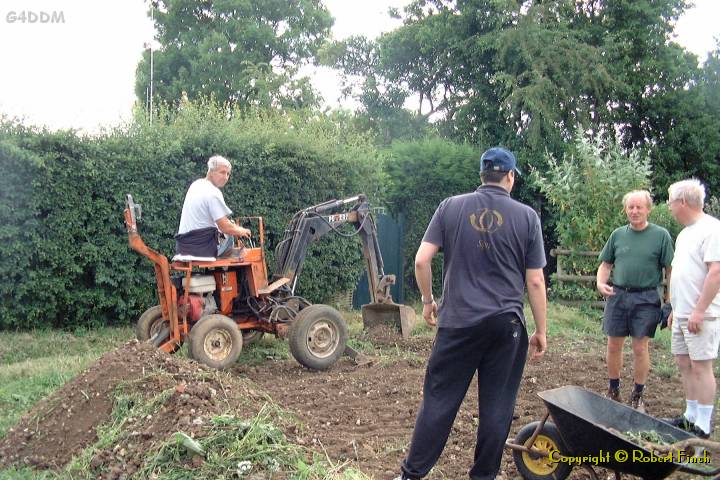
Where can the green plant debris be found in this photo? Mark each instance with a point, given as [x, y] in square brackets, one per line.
[645, 436]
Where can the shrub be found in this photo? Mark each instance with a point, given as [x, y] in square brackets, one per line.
[422, 174]
[661, 215]
[64, 252]
[585, 190]
[712, 207]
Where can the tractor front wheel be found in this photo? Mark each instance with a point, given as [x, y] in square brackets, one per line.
[216, 341]
[538, 467]
[318, 336]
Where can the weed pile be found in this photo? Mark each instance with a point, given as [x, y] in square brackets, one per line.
[140, 413]
[646, 436]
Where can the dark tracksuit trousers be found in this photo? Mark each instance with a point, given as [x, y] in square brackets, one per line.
[496, 349]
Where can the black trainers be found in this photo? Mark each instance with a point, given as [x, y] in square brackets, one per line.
[698, 432]
[679, 422]
[636, 402]
[613, 394]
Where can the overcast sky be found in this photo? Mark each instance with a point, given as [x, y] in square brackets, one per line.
[79, 72]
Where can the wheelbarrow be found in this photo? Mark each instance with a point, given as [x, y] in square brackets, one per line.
[589, 430]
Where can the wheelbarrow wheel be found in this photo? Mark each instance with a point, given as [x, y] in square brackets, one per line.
[536, 467]
[215, 340]
[318, 336]
[150, 323]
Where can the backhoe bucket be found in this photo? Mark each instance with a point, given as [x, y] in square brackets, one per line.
[392, 315]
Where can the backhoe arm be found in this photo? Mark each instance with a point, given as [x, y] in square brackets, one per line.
[314, 222]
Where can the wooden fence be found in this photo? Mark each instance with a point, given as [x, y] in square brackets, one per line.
[562, 276]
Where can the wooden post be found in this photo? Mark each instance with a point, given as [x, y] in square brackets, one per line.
[560, 270]
[561, 276]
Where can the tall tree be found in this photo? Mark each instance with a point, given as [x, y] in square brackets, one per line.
[528, 72]
[686, 126]
[488, 71]
[240, 52]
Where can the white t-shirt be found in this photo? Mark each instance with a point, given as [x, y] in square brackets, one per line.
[696, 245]
[204, 205]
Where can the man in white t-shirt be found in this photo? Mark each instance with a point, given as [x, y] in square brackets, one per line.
[695, 299]
[204, 213]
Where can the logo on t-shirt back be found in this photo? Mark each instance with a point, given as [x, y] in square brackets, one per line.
[486, 220]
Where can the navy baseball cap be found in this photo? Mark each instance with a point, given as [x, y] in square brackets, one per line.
[498, 159]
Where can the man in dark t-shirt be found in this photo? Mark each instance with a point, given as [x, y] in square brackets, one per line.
[492, 248]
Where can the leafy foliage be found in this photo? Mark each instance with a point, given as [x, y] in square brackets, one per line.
[712, 207]
[238, 52]
[382, 99]
[64, 253]
[422, 174]
[529, 74]
[585, 190]
[687, 122]
[660, 215]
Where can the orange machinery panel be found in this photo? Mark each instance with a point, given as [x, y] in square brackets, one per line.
[257, 273]
[227, 285]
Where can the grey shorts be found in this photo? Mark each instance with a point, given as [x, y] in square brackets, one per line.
[634, 314]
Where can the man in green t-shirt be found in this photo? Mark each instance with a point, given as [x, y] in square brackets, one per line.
[636, 255]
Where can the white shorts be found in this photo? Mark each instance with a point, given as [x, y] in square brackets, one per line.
[699, 346]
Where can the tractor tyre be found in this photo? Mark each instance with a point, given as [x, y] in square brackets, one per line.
[251, 336]
[318, 336]
[538, 467]
[150, 323]
[215, 341]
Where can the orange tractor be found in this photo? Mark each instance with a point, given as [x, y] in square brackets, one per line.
[218, 305]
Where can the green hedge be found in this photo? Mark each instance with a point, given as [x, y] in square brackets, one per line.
[63, 244]
[422, 174]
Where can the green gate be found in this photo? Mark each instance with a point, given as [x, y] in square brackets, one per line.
[390, 238]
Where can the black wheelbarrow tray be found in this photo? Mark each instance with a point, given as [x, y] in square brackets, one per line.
[588, 431]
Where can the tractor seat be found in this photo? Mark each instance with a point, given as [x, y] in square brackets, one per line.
[191, 258]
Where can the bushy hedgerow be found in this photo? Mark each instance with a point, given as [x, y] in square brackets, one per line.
[64, 255]
[422, 174]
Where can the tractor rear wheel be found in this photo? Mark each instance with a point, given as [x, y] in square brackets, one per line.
[215, 341]
[251, 336]
[318, 336]
[537, 467]
[150, 323]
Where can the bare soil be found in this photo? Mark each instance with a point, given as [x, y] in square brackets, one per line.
[360, 414]
[365, 414]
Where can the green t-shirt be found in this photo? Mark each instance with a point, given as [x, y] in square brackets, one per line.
[638, 257]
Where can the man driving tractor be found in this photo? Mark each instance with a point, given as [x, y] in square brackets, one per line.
[204, 213]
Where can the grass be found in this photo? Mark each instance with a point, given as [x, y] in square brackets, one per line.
[34, 364]
[18, 346]
[581, 329]
[232, 445]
